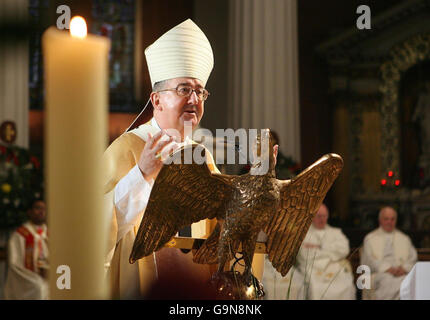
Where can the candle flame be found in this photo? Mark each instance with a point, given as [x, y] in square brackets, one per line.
[78, 27]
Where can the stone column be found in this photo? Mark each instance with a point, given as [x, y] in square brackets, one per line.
[14, 95]
[263, 69]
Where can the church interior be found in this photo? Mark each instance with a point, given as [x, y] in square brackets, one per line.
[306, 71]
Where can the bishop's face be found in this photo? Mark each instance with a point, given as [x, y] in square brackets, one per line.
[172, 110]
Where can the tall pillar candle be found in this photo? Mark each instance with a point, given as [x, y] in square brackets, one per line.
[76, 84]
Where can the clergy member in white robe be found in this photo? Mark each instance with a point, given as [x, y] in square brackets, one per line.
[28, 258]
[390, 255]
[321, 271]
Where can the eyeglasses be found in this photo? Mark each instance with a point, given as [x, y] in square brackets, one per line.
[186, 90]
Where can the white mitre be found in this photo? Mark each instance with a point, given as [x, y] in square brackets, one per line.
[183, 51]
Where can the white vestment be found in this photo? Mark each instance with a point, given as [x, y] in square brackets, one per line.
[277, 287]
[27, 253]
[319, 273]
[383, 250]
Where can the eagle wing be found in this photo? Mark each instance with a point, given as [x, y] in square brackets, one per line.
[300, 198]
[182, 194]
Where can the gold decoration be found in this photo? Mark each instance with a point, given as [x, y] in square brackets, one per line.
[171, 243]
[6, 187]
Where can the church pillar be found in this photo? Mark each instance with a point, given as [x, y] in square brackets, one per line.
[14, 95]
[263, 69]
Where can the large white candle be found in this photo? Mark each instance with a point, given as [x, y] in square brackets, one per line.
[76, 84]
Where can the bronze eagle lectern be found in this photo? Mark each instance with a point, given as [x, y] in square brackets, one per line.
[243, 205]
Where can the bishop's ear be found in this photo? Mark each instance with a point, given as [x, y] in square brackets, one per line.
[155, 100]
[275, 152]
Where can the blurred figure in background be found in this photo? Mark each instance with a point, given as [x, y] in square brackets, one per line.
[286, 167]
[390, 255]
[27, 257]
[321, 270]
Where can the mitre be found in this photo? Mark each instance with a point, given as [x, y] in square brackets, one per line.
[183, 51]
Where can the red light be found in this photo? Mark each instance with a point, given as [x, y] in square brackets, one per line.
[383, 182]
[390, 173]
[397, 182]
